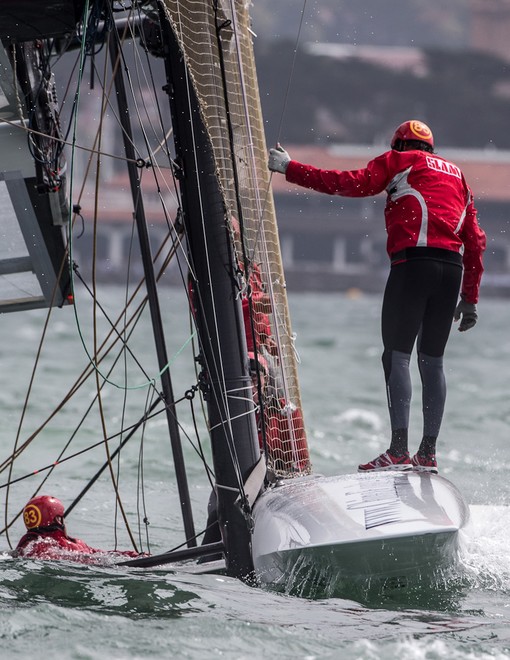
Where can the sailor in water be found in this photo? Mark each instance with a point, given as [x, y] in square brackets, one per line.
[433, 236]
[47, 537]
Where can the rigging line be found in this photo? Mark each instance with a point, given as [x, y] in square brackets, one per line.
[140, 489]
[61, 460]
[200, 450]
[64, 142]
[164, 13]
[122, 40]
[119, 334]
[223, 403]
[95, 361]
[149, 84]
[154, 164]
[241, 415]
[246, 264]
[99, 386]
[253, 161]
[89, 356]
[136, 314]
[219, 369]
[150, 382]
[243, 87]
[253, 171]
[149, 391]
[76, 102]
[200, 394]
[84, 375]
[11, 465]
[131, 429]
[246, 111]
[75, 433]
[25, 407]
[291, 74]
[166, 134]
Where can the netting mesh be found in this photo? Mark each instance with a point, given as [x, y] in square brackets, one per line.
[216, 40]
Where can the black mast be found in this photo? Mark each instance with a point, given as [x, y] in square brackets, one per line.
[220, 323]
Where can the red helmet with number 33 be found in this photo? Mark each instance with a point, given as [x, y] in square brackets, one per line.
[43, 511]
[413, 130]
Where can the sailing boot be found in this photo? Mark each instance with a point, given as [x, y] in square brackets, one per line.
[387, 461]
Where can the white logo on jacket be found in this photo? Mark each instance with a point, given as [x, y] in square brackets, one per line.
[443, 166]
[399, 187]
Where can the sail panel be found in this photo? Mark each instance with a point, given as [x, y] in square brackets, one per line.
[215, 40]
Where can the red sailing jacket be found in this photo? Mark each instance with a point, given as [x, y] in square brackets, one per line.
[57, 545]
[429, 204]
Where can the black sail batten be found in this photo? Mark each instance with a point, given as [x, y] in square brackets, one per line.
[219, 318]
[152, 294]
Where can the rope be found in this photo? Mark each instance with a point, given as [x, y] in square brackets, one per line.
[291, 73]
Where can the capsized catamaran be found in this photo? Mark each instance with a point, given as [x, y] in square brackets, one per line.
[183, 72]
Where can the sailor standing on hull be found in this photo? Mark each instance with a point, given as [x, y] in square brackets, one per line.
[433, 236]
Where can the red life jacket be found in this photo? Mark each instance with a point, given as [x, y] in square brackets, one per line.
[55, 544]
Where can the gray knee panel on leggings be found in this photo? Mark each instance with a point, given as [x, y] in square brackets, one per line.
[398, 388]
[434, 392]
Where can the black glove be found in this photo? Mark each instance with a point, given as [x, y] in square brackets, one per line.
[468, 313]
[278, 160]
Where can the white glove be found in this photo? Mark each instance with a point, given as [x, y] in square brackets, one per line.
[278, 160]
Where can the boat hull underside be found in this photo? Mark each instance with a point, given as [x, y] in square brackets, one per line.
[320, 532]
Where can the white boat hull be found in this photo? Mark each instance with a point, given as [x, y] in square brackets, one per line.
[388, 525]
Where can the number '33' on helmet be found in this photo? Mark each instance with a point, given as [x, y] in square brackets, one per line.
[43, 511]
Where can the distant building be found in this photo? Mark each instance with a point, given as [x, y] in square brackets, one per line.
[490, 27]
[396, 58]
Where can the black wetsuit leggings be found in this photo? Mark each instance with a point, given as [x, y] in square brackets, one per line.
[419, 304]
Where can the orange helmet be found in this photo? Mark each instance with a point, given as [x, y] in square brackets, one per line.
[413, 130]
[43, 511]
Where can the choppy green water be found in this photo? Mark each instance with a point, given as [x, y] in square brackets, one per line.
[72, 611]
